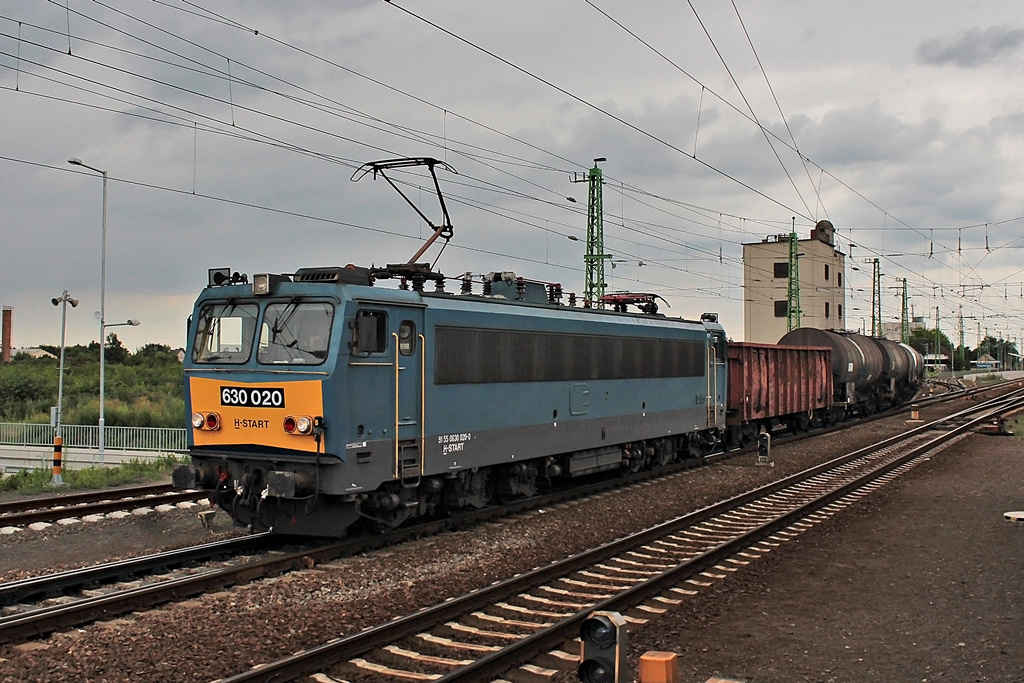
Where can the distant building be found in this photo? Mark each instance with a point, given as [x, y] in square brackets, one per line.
[34, 353]
[766, 284]
[179, 354]
[893, 329]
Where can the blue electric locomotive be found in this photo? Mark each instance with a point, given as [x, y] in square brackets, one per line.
[319, 399]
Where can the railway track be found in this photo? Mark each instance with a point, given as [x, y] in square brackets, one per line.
[70, 599]
[89, 594]
[531, 620]
[52, 508]
[39, 605]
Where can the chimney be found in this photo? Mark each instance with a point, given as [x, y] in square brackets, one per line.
[5, 342]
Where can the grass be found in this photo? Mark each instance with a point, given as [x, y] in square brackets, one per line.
[132, 472]
[1016, 424]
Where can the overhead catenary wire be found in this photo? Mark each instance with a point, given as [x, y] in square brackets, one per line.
[312, 152]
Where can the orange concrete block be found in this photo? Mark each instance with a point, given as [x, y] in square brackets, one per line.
[659, 667]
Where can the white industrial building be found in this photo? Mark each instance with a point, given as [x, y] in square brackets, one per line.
[821, 269]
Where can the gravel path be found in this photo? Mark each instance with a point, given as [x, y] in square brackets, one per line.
[227, 632]
[918, 583]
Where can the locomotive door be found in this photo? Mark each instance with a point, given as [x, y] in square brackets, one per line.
[715, 375]
[410, 368]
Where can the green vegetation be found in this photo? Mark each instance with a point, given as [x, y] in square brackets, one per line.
[132, 472]
[143, 389]
[1001, 350]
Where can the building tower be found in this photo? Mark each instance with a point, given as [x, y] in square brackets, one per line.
[788, 280]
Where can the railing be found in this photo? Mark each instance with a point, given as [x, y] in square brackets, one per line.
[166, 439]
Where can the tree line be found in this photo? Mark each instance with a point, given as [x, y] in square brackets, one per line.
[142, 389]
[1003, 350]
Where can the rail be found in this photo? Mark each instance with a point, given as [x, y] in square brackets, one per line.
[163, 439]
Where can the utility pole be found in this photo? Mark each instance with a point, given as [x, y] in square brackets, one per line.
[876, 297]
[905, 317]
[963, 351]
[793, 283]
[938, 347]
[595, 257]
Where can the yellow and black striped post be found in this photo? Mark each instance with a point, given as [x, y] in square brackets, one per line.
[58, 455]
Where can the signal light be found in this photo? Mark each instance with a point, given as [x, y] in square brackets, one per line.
[207, 422]
[298, 425]
[289, 424]
[764, 447]
[603, 648]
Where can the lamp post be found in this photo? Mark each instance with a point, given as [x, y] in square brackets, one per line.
[63, 302]
[74, 161]
[103, 342]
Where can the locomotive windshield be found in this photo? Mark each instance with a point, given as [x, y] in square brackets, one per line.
[295, 333]
[225, 333]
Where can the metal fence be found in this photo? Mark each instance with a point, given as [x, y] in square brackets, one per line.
[165, 439]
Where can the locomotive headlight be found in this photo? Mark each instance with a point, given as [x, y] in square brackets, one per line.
[213, 421]
[198, 420]
[289, 424]
[261, 284]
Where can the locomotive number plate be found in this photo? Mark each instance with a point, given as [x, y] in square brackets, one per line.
[257, 397]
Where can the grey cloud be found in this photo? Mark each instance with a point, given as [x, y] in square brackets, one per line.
[973, 48]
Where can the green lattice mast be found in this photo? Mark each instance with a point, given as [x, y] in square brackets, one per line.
[876, 299]
[905, 317]
[793, 284]
[595, 257]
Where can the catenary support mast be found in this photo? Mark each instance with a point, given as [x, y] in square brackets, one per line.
[593, 260]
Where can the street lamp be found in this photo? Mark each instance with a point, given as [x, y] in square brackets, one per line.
[103, 343]
[63, 302]
[74, 161]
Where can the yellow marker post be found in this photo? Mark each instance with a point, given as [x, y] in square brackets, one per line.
[58, 455]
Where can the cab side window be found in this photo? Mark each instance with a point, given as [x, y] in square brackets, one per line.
[371, 332]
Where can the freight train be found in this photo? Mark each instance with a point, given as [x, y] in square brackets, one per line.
[319, 400]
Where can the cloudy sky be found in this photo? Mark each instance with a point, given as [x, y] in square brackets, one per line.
[230, 132]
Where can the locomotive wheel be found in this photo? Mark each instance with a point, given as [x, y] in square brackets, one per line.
[516, 481]
[471, 489]
[662, 455]
[388, 509]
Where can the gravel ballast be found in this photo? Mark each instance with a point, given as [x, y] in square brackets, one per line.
[224, 633]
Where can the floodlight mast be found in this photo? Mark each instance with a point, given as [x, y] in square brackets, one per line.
[379, 167]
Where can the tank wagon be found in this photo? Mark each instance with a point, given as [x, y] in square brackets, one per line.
[319, 399]
[869, 374]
